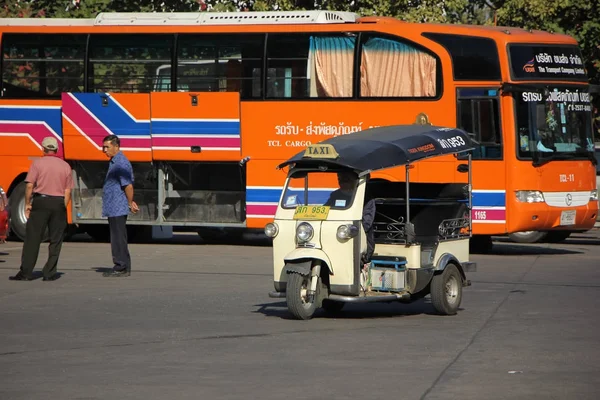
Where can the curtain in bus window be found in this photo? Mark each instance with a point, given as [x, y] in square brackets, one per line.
[330, 62]
[393, 69]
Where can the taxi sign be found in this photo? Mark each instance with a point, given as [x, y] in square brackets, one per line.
[311, 212]
[321, 151]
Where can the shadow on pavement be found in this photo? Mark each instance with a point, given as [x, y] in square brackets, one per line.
[514, 249]
[356, 311]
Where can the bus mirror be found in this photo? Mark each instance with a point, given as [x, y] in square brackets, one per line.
[463, 168]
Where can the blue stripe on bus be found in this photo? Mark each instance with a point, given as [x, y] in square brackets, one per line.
[51, 116]
[487, 199]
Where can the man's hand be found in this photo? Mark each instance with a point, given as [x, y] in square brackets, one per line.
[133, 207]
[27, 211]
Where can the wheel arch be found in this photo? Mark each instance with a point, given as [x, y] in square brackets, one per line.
[446, 259]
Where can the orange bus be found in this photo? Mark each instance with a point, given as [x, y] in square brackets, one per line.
[207, 104]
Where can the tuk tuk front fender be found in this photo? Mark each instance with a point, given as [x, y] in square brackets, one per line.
[300, 258]
[446, 259]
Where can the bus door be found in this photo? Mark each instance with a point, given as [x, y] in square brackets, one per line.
[89, 117]
[199, 126]
[196, 142]
[479, 113]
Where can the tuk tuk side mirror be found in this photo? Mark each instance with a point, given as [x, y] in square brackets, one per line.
[463, 168]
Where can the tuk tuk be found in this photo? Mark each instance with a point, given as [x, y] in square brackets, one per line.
[340, 237]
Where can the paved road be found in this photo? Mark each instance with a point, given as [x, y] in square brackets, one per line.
[194, 322]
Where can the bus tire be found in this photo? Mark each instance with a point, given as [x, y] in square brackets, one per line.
[295, 295]
[18, 221]
[480, 244]
[98, 232]
[528, 236]
[557, 236]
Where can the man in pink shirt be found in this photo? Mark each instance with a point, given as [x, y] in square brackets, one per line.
[48, 192]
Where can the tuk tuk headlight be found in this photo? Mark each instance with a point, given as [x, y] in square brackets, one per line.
[304, 232]
[345, 232]
[530, 196]
[594, 195]
[271, 229]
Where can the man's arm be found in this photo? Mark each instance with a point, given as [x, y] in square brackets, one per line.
[129, 193]
[68, 187]
[67, 197]
[28, 194]
[368, 215]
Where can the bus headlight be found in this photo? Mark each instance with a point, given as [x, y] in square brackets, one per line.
[304, 232]
[271, 230]
[345, 232]
[530, 196]
[594, 195]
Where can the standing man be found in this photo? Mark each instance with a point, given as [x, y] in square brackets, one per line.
[117, 202]
[47, 194]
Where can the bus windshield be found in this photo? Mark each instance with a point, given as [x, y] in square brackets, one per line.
[554, 124]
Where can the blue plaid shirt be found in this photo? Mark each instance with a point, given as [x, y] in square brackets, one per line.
[119, 175]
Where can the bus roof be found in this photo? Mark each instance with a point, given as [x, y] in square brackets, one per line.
[192, 18]
[323, 17]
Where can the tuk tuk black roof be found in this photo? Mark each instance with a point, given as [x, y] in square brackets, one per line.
[384, 147]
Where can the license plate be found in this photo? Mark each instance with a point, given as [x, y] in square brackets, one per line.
[311, 212]
[568, 217]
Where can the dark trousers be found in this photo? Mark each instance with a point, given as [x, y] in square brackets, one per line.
[46, 212]
[118, 243]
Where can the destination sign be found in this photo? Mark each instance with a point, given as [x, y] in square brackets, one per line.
[546, 62]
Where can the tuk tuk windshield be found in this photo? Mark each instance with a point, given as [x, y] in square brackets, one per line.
[331, 188]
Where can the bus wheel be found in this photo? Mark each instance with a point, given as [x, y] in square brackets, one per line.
[100, 232]
[528, 236]
[18, 221]
[296, 296]
[558, 236]
[480, 244]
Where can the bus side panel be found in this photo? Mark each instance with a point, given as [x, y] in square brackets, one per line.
[280, 129]
[196, 127]
[263, 190]
[89, 117]
[489, 198]
[275, 131]
[24, 124]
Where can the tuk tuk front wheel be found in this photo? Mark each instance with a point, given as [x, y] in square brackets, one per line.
[446, 290]
[296, 295]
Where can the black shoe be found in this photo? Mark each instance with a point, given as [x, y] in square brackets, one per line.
[20, 277]
[115, 274]
[51, 278]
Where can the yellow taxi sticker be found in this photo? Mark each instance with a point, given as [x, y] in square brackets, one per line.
[319, 150]
[311, 212]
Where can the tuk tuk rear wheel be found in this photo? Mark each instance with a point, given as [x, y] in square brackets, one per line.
[446, 290]
[296, 296]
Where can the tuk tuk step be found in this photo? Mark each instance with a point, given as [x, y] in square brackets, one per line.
[369, 299]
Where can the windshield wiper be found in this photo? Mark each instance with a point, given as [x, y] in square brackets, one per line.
[538, 161]
[588, 154]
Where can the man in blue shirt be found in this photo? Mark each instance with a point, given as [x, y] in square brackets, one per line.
[117, 202]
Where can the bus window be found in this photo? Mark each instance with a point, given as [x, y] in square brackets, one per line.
[310, 66]
[128, 62]
[473, 58]
[478, 113]
[220, 63]
[390, 68]
[39, 66]
[555, 123]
